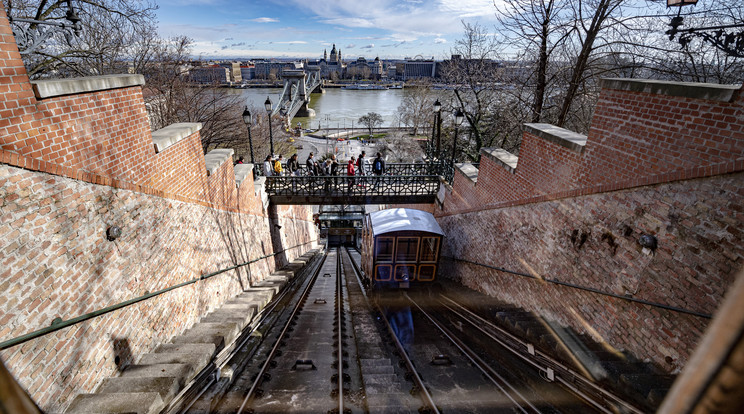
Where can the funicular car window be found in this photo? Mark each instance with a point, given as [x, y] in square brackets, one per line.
[383, 272]
[429, 249]
[407, 249]
[426, 272]
[384, 249]
[404, 272]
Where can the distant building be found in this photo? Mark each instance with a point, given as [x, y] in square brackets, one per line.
[419, 68]
[248, 72]
[210, 74]
[331, 67]
[234, 70]
[269, 69]
[363, 69]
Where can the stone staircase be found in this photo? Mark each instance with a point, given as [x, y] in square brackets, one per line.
[150, 384]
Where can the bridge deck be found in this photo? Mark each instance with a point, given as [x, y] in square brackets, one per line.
[369, 189]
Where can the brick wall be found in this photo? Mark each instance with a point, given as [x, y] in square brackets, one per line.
[698, 227]
[70, 167]
[660, 159]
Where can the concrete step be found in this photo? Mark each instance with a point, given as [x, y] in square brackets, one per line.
[182, 372]
[127, 402]
[218, 334]
[190, 348]
[167, 387]
[193, 360]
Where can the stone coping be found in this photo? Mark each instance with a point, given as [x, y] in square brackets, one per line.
[165, 137]
[59, 87]
[502, 157]
[215, 158]
[557, 135]
[468, 170]
[242, 171]
[693, 90]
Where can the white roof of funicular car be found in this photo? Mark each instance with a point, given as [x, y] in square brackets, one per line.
[399, 219]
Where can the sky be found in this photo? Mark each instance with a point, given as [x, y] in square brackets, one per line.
[388, 29]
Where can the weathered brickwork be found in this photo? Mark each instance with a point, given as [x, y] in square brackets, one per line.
[635, 139]
[72, 166]
[56, 262]
[655, 162]
[592, 241]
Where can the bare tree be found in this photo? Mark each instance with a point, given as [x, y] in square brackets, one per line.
[372, 120]
[537, 29]
[112, 32]
[476, 76]
[416, 107]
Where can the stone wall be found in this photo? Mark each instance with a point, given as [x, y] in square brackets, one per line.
[660, 159]
[592, 241]
[77, 157]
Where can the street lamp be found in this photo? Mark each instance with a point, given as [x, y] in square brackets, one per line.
[267, 105]
[459, 116]
[437, 109]
[248, 119]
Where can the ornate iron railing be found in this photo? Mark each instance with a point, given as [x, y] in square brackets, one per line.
[359, 185]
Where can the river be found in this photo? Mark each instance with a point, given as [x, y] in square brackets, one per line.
[336, 108]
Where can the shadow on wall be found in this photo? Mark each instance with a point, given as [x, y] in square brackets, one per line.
[122, 353]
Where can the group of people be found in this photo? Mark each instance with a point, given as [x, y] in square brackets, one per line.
[273, 166]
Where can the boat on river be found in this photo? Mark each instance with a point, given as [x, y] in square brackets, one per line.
[365, 87]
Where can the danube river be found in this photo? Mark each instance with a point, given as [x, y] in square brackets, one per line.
[336, 108]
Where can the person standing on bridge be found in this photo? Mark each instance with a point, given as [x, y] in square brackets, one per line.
[268, 167]
[310, 164]
[378, 168]
[360, 168]
[278, 166]
[350, 173]
[293, 165]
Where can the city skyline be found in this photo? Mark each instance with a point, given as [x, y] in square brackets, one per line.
[298, 29]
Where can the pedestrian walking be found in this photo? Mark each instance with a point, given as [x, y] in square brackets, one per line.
[378, 168]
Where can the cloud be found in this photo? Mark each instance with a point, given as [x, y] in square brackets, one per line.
[440, 40]
[265, 20]
[293, 42]
[369, 46]
[350, 46]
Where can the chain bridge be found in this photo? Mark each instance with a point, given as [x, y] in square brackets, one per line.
[298, 85]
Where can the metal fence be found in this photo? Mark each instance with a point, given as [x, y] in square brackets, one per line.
[359, 185]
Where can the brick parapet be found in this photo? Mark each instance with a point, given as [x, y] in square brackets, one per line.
[636, 138]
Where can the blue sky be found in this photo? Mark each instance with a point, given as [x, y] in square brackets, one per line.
[303, 28]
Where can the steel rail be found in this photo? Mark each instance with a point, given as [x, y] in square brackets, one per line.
[275, 348]
[59, 324]
[340, 355]
[479, 322]
[178, 405]
[419, 383]
[478, 362]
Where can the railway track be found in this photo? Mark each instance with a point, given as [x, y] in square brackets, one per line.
[327, 348]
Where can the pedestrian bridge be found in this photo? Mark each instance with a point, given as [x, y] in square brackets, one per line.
[401, 184]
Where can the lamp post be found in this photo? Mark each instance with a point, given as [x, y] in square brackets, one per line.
[267, 105]
[248, 119]
[458, 120]
[437, 109]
